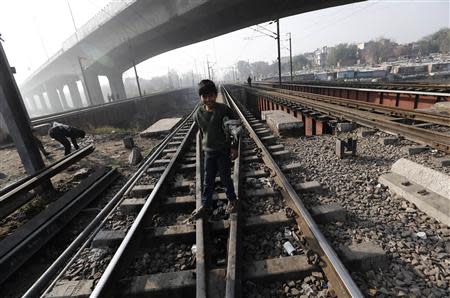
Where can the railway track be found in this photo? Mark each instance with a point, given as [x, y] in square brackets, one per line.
[394, 86]
[389, 119]
[148, 248]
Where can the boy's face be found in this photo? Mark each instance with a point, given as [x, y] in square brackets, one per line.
[209, 99]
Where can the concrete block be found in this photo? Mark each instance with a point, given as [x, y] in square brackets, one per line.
[135, 156]
[429, 202]
[131, 205]
[182, 283]
[443, 162]
[281, 154]
[428, 178]
[72, 288]
[283, 124]
[268, 139]
[345, 126]
[276, 147]
[388, 141]
[171, 284]
[412, 150]
[186, 167]
[106, 238]
[364, 256]
[128, 142]
[293, 267]
[162, 126]
[310, 186]
[140, 191]
[156, 170]
[291, 166]
[272, 220]
[264, 192]
[366, 133]
[265, 113]
[329, 213]
[250, 158]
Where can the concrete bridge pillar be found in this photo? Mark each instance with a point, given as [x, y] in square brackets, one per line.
[54, 98]
[95, 91]
[117, 86]
[31, 102]
[40, 93]
[75, 94]
[63, 98]
[44, 107]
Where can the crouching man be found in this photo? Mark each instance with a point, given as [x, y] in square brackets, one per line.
[62, 133]
[219, 147]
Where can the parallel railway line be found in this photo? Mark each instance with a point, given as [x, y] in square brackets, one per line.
[366, 114]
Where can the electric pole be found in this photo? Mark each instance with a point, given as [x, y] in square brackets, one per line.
[88, 94]
[279, 52]
[290, 54]
[207, 65]
[137, 79]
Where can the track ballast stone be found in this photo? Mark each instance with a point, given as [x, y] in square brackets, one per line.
[416, 268]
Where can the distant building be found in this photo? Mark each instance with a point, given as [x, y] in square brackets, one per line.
[320, 56]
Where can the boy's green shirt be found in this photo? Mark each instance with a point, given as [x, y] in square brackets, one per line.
[212, 127]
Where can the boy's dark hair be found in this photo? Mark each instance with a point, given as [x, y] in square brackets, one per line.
[206, 87]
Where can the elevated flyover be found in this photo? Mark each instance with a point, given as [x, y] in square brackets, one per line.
[129, 32]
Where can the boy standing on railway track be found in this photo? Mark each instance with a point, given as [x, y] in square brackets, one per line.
[218, 147]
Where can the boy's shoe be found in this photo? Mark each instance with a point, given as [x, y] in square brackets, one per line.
[231, 207]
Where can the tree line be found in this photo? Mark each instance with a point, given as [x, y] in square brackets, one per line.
[369, 53]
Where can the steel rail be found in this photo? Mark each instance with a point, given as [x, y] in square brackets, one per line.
[200, 259]
[47, 280]
[10, 201]
[436, 140]
[426, 93]
[335, 270]
[21, 247]
[105, 285]
[233, 277]
[392, 111]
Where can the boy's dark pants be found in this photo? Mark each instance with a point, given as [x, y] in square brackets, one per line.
[217, 161]
[58, 135]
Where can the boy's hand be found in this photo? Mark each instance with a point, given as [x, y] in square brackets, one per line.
[233, 154]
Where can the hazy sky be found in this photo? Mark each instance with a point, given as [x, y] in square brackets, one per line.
[34, 30]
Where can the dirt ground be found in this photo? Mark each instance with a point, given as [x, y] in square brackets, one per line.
[109, 151]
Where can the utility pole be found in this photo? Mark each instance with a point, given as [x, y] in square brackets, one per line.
[279, 52]
[207, 65]
[88, 94]
[137, 79]
[73, 20]
[16, 118]
[290, 54]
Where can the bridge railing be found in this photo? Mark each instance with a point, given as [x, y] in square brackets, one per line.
[105, 14]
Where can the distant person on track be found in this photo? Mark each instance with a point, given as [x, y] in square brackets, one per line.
[62, 133]
[218, 147]
[249, 81]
